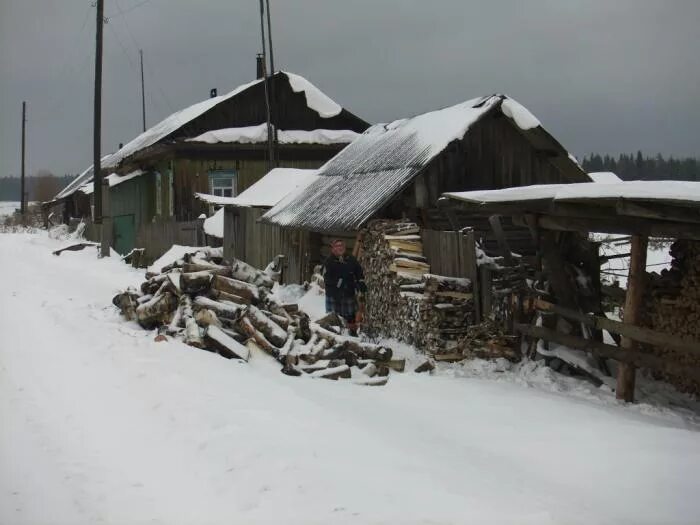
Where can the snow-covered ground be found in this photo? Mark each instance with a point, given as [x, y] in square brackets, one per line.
[8, 208]
[100, 424]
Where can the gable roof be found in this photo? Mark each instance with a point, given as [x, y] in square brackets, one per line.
[365, 176]
[334, 123]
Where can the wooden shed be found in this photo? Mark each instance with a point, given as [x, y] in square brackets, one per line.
[400, 169]
[659, 329]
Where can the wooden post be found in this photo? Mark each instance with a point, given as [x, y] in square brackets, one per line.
[23, 193]
[229, 232]
[106, 237]
[633, 309]
[486, 296]
[472, 269]
[97, 123]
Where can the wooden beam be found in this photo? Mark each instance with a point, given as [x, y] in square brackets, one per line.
[659, 212]
[622, 225]
[497, 227]
[635, 359]
[637, 333]
[634, 302]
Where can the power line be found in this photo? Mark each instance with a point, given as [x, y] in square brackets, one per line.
[121, 12]
[138, 47]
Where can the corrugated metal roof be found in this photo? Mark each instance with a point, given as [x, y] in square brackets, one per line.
[366, 175]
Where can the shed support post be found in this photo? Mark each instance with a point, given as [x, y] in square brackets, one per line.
[626, 373]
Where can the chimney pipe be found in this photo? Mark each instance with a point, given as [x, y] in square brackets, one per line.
[212, 93]
[259, 65]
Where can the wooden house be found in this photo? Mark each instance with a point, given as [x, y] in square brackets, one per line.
[219, 147]
[399, 170]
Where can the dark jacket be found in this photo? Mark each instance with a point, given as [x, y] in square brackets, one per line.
[343, 276]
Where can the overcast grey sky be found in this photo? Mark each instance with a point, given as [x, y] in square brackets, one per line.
[601, 75]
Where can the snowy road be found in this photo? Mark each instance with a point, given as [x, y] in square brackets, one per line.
[99, 424]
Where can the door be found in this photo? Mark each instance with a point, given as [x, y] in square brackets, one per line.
[124, 233]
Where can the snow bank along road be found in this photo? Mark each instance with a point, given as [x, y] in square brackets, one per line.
[99, 424]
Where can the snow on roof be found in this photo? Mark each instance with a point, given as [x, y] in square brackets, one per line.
[258, 134]
[315, 98]
[268, 191]
[605, 177]
[114, 179]
[674, 191]
[214, 225]
[80, 180]
[362, 178]
[172, 123]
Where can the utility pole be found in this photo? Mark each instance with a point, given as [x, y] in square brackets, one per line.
[143, 93]
[273, 99]
[22, 205]
[97, 127]
[270, 152]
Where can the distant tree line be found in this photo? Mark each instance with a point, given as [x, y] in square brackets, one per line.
[639, 167]
[42, 186]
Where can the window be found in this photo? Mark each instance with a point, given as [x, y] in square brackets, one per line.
[222, 183]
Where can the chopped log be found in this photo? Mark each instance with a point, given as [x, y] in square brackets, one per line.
[206, 317]
[247, 327]
[333, 373]
[195, 282]
[156, 311]
[177, 320]
[224, 344]
[218, 295]
[222, 309]
[330, 320]
[451, 358]
[282, 321]
[192, 334]
[426, 366]
[271, 330]
[236, 287]
[212, 268]
[127, 303]
[245, 272]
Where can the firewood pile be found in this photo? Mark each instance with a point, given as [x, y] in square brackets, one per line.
[404, 300]
[673, 306]
[228, 308]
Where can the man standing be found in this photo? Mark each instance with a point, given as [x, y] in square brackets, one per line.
[343, 279]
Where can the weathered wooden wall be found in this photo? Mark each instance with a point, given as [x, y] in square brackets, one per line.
[257, 243]
[192, 176]
[158, 236]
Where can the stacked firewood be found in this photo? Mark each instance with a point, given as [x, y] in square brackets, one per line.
[406, 301]
[673, 305]
[228, 308]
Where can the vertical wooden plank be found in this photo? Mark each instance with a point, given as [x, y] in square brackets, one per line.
[634, 301]
[486, 297]
[472, 270]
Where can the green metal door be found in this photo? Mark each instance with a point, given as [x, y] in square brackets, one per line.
[124, 233]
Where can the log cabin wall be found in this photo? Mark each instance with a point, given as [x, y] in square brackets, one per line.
[192, 176]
